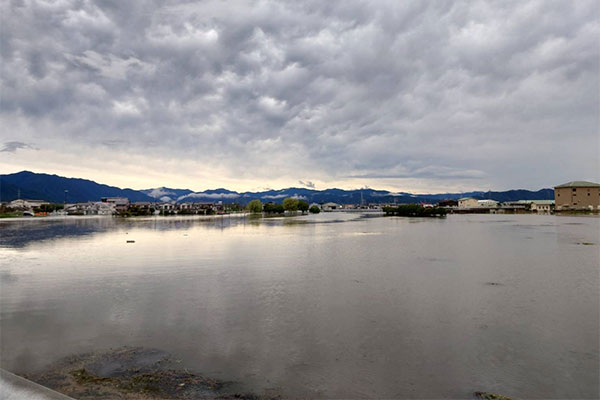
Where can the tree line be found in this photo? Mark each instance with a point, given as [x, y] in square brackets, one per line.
[415, 210]
[289, 204]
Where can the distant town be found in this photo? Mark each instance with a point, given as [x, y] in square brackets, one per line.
[576, 196]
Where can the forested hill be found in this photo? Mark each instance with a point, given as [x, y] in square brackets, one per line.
[52, 188]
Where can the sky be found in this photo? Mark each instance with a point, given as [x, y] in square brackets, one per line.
[413, 96]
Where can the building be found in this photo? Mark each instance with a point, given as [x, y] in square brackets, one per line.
[89, 208]
[541, 206]
[467, 202]
[487, 203]
[448, 203]
[330, 206]
[26, 204]
[119, 203]
[577, 195]
[196, 208]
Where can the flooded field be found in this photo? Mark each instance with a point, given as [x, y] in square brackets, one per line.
[328, 306]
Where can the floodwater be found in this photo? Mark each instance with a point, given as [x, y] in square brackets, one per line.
[327, 306]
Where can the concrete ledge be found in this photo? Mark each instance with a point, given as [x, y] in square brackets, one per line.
[13, 387]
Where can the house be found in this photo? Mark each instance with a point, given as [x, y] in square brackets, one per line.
[119, 203]
[196, 208]
[448, 203]
[26, 204]
[467, 202]
[542, 206]
[577, 195]
[330, 206]
[167, 206]
[90, 208]
[487, 203]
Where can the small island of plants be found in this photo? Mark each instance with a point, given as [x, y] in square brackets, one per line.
[289, 204]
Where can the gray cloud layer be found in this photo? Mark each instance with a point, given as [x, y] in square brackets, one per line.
[486, 94]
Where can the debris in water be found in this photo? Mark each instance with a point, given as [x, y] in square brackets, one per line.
[494, 284]
[131, 241]
[491, 396]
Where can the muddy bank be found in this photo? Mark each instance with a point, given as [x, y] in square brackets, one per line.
[132, 373]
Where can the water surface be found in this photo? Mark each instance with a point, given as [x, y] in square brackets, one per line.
[331, 306]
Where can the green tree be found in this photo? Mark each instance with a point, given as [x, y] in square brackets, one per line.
[302, 206]
[271, 208]
[255, 206]
[290, 204]
[314, 210]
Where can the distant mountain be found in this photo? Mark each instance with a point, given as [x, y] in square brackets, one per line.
[509, 195]
[513, 195]
[52, 188]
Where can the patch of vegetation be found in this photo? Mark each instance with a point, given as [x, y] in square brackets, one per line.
[13, 214]
[84, 376]
[314, 210]
[290, 204]
[271, 208]
[415, 210]
[131, 373]
[49, 207]
[302, 206]
[255, 206]
[491, 396]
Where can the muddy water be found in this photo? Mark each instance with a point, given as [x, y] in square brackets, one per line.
[325, 306]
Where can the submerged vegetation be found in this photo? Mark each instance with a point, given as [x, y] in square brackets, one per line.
[132, 373]
[415, 210]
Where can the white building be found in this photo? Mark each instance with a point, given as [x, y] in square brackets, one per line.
[90, 208]
[26, 204]
[487, 203]
[542, 206]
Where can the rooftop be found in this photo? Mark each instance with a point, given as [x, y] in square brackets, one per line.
[578, 184]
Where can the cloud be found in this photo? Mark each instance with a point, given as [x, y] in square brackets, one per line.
[308, 184]
[212, 196]
[160, 192]
[410, 95]
[13, 146]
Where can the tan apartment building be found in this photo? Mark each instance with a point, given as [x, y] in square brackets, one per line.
[467, 202]
[578, 195]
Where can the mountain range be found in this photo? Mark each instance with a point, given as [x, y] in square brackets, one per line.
[58, 189]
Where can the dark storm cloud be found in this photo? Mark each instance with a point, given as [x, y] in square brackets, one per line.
[495, 92]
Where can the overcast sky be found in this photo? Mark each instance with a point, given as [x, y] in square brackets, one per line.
[418, 96]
